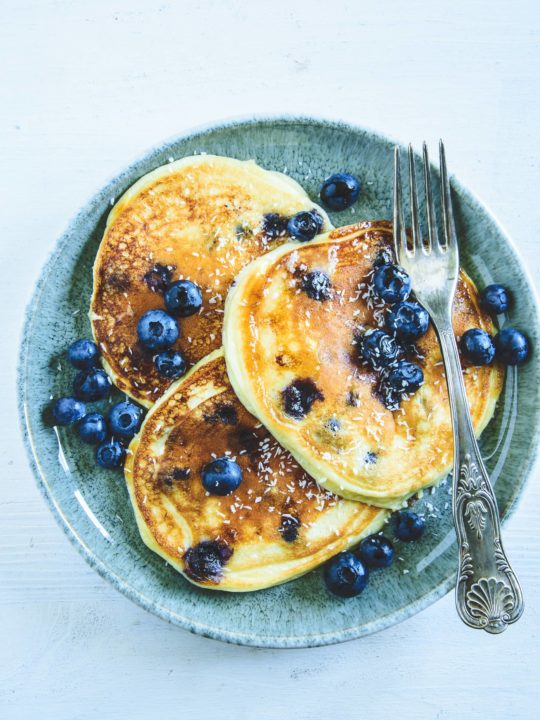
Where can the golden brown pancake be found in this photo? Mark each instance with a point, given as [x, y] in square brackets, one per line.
[349, 441]
[276, 526]
[200, 218]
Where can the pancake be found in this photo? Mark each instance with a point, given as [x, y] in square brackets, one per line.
[276, 526]
[349, 441]
[200, 218]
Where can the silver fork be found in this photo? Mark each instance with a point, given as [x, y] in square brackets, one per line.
[488, 595]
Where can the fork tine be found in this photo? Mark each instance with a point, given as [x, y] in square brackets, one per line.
[433, 237]
[418, 244]
[400, 238]
[448, 214]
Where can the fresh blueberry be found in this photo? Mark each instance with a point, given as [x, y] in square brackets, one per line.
[477, 346]
[83, 354]
[305, 225]
[221, 476]
[157, 330]
[405, 377]
[378, 348]
[376, 551]
[345, 575]
[92, 385]
[391, 283]
[92, 428]
[170, 364]
[275, 225]
[408, 525]
[110, 454]
[512, 346]
[299, 396]
[408, 320]
[495, 299]
[317, 285]
[68, 410]
[125, 419]
[340, 191]
[183, 298]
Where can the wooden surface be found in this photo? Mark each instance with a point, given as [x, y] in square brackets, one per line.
[87, 86]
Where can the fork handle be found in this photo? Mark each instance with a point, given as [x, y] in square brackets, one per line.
[488, 595]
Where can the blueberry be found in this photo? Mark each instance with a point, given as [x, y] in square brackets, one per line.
[383, 257]
[125, 419]
[68, 410]
[340, 191]
[83, 354]
[92, 428]
[157, 330]
[221, 476]
[408, 525]
[477, 346]
[170, 364]
[110, 454]
[289, 527]
[92, 385]
[408, 320]
[512, 346]
[495, 299]
[305, 225]
[378, 348]
[376, 551]
[405, 377]
[345, 575]
[183, 298]
[317, 285]
[158, 278]
[391, 283]
[275, 225]
[205, 561]
[299, 396]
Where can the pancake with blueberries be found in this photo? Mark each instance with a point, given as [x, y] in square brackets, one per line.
[193, 224]
[327, 348]
[218, 498]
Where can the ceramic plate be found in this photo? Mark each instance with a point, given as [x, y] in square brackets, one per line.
[92, 505]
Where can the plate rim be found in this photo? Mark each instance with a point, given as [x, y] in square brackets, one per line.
[150, 604]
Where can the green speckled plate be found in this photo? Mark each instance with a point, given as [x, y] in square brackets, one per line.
[92, 505]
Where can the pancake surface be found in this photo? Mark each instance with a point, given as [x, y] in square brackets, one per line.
[275, 334]
[200, 218]
[276, 526]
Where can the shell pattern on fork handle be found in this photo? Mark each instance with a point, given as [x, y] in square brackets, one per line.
[488, 595]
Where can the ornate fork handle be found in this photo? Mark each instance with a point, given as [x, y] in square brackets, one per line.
[488, 595]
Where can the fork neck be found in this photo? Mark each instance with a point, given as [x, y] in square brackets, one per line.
[459, 405]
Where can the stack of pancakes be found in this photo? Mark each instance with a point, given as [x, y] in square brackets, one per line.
[314, 485]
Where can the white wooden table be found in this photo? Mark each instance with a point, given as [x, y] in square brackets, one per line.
[85, 87]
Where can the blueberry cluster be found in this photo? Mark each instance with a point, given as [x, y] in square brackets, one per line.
[158, 330]
[302, 226]
[510, 345]
[92, 383]
[338, 192]
[385, 350]
[347, 573]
